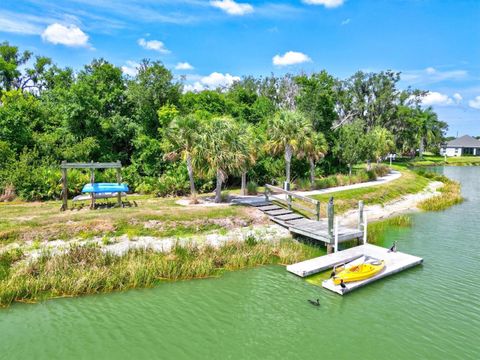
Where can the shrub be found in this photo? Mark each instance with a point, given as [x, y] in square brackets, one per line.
[381, 170]
[252, 188]
[225, 196]
[302, 184]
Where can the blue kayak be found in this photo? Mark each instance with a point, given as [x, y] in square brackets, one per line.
[98, 188]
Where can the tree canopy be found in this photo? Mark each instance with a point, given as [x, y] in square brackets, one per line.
[268, 128]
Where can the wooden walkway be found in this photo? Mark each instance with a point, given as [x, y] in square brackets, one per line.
[300, 225]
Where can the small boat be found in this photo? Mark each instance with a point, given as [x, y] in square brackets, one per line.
[362, 271]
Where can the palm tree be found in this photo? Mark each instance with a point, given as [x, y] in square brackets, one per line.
[253, 143]
[289, 132]
[224, 148]
[314, 151]
[181, 140]
[430, 129]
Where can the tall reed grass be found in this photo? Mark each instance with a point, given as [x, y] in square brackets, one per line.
[86, 270]
[450, 193]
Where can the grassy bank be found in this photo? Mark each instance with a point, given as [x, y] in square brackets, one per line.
[86, 270]
[160, 217]
[430, 160]
[450, 194]
[409, 183]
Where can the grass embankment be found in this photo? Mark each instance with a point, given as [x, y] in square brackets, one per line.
[87, 270]
[409, 183]
[450, 194]
[21, 221]
[429, 160]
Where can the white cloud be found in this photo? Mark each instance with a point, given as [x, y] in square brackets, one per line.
[436, 98]
[183, 66]
[69, 35]
[212, 81]
[18, 27]
[290, 58]
[432, 75]
[326, 3]
[155, 45]
[131, 69]
[475, 103]
[216, 79]
[345, 22]
[458, 98]
[232, 8]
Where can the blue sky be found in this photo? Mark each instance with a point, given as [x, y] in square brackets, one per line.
[434, 43]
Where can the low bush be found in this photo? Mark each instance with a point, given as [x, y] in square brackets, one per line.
[252, 188]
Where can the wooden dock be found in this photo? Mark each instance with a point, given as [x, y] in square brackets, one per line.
[394, 263]
[284, 207]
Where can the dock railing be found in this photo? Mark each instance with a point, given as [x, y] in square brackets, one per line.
[293, 200]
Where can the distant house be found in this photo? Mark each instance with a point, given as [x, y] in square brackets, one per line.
[462, 146]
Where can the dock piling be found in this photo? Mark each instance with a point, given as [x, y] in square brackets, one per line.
[336, 235]
[364, 229]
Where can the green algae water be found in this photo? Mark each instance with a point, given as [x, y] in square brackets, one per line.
[429, 312]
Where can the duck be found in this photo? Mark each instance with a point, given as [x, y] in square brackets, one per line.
[314, 303]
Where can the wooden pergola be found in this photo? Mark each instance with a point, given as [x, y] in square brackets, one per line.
[92, 166]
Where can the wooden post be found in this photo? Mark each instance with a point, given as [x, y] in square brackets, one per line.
[331, 214]
[336, 235]
[318, 210]
[64, 188]
[330, 248]
[92, 181]
[360, 215]
[266, 192]
[365, 229]
[119, 180]
[287, 196]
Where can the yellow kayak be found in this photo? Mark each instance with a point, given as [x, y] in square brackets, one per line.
[358, 272]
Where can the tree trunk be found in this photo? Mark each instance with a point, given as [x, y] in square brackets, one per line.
[244, 183]
[288, 159]
[312, 173]
[350, 170]
[369, 165]
[218, 190]
[190, 176]
[422, 146]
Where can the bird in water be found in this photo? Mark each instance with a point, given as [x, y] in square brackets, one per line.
[342, 284]
[393, 248]
[314, 303]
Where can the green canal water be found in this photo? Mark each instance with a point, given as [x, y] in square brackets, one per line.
[429, 312]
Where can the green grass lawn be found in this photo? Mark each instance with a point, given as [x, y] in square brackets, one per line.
[409, 183]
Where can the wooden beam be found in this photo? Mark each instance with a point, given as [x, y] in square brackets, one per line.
[64, 190]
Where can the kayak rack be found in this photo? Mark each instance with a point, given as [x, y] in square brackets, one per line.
[394, 263]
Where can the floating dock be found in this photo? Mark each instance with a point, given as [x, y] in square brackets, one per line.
[394, 263]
